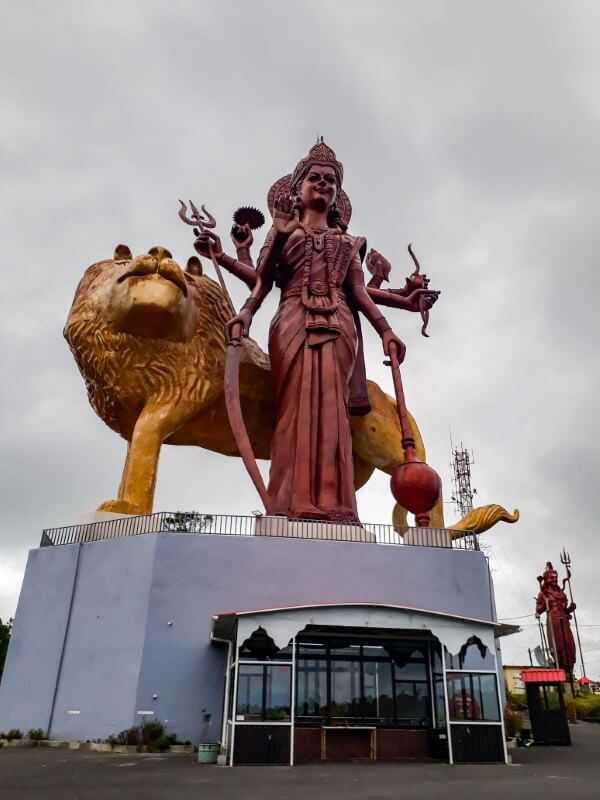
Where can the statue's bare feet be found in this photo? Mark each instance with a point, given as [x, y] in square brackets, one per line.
[120, 507]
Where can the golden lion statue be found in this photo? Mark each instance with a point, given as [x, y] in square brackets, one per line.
[149, 340]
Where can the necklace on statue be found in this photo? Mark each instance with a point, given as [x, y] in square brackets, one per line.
[311, 290]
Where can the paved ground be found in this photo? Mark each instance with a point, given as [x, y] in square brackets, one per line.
[537, 773]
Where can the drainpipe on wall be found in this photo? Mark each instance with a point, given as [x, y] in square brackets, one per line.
[214, 638]
[64, 642]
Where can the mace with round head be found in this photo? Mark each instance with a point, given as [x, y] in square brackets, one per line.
[415, 485]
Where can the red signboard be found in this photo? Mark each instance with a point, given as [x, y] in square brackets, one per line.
[543, 676]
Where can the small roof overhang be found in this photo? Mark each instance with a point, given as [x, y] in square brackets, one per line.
[225, 624]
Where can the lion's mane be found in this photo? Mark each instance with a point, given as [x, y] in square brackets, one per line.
[123, 372]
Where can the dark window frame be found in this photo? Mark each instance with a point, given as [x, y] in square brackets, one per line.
[469, 696]
[407, 647]
[263, 667]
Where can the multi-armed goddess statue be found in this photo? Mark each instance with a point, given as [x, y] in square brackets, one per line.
[315, 343]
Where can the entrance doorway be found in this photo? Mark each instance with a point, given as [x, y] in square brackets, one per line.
[340, 696]
[339, 693]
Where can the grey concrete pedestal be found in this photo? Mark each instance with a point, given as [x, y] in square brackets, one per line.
[109, 633]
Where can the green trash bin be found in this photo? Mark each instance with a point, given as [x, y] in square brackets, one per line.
[207, 753]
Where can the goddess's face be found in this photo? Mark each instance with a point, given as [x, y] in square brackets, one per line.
[319, 188]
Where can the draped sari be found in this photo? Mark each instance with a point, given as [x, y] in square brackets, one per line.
[313, 344]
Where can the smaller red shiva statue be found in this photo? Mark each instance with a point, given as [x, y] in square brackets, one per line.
[553, 600]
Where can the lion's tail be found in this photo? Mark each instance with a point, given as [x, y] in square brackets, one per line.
[483, 518]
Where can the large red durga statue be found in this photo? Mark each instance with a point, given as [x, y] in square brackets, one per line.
[315, 343]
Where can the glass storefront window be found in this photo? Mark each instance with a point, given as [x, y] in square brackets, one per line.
[472, 697]
[386, 708]
[345, 689]
[412, 702]
[440, 701]
[370, 683]
[264, 693]
[386, 683]
[250, 691]
[438, 685]
[277, 692]
[378, 690]
[489, 697]
[412, 671]
[436, 659]
[311, 687]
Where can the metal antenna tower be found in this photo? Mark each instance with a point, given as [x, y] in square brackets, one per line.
[462, 496]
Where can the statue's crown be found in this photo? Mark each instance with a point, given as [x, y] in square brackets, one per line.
[319, 153]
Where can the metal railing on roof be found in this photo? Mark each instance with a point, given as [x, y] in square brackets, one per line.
[196, 523]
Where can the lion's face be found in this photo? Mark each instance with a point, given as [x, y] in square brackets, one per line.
[142, 329]
[148, 296]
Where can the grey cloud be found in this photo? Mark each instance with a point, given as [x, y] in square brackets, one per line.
[470, 129]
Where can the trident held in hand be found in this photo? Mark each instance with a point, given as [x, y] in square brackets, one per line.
[203, 222]
[565, 560]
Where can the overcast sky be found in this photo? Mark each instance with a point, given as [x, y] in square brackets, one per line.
[469, 128]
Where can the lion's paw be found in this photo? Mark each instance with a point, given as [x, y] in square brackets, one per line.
[120, 507]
